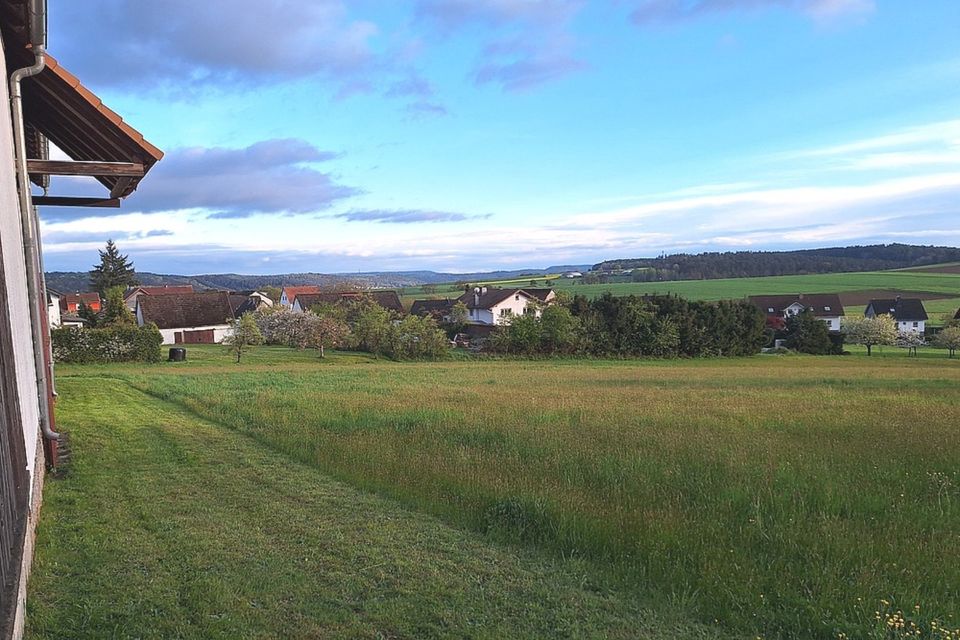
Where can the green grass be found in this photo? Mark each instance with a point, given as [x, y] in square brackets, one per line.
[782, 496]
[734, 288]
[170, 526]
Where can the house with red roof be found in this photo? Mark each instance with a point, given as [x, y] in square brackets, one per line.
[289, 294]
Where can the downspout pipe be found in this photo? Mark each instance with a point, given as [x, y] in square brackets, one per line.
[31, 246]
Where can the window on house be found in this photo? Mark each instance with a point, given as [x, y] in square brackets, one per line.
[826, 308]
[769, 309]
[916, 324]
[505, 312]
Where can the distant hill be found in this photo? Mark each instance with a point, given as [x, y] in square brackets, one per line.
[746, 264]
[70, 281]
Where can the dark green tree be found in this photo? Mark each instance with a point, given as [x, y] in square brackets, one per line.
[807, 333]
[115, 311]
[114, 270]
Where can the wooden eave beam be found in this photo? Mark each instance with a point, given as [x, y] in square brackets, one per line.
[120, 189]
[84, 168]
[71, 201]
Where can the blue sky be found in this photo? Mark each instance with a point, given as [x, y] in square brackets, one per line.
[465, 135]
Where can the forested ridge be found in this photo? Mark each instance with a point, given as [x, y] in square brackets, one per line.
[745, 264]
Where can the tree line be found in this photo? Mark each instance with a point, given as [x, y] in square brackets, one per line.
[632, 326]
[744, 264]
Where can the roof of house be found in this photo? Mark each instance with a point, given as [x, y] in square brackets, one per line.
[386, 299]
[293, 292]
[60, 109]
[159, 291]
[902, 309]
[490, 298]
[820, 304]
[185, 310]
[88, 298]
[540, 294]
[242, 303]
[431, 307]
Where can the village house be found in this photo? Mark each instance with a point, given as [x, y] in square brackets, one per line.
[44, 105]
[825, 306]
[389, 300]
[190, 318]
[909, 313]
[131, 295]
[73, 302]
[289, 294]
[497, 306]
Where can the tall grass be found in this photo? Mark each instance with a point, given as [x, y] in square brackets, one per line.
[775, 496]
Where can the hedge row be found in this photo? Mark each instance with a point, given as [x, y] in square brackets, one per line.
[112, 344]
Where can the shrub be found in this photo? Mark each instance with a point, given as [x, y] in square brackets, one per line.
[111, 344]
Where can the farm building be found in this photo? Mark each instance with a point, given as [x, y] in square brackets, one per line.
[43, 104]
[825, 306]
[189, 318]
[496, 306]
[439, 310]
[389, 300]
[130, 297]
[909, 313]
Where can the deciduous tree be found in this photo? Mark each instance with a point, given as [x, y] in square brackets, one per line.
[869, 332]
[244, 335]
[948, 339]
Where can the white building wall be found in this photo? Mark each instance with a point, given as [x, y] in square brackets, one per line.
[220, 332]
[15, 270]
[53, 312]
[904, 326]
[515, 304]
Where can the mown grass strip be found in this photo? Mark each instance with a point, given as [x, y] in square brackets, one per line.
[167, 526]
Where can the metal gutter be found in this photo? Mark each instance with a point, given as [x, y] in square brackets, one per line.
[28, 223]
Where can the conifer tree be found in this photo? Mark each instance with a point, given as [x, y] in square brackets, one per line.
[114, 270]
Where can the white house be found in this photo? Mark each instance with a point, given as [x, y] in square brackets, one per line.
[909, 313]
[497, 306]
[825, 306]
[188, 318]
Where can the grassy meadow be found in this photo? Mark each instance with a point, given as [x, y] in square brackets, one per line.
[776, 496]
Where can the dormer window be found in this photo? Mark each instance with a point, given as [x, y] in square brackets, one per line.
[826, 308]
[769, 309]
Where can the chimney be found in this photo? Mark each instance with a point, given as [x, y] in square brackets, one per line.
[476, 296]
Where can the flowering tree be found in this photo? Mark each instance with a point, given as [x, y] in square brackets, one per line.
[320, 332]
[870, 331]
[911, 341]
[948, 339]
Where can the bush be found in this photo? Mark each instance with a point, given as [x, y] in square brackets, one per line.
[112, 344]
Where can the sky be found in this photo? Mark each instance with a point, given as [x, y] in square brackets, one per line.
[465, 135]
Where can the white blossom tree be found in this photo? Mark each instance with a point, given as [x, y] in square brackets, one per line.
[869, 332]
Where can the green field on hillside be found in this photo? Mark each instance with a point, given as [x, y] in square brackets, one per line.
[734, 288]
[776, 496]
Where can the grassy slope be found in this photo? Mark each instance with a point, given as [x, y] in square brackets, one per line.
[784, 496]
[170, 526]
[732, 288]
